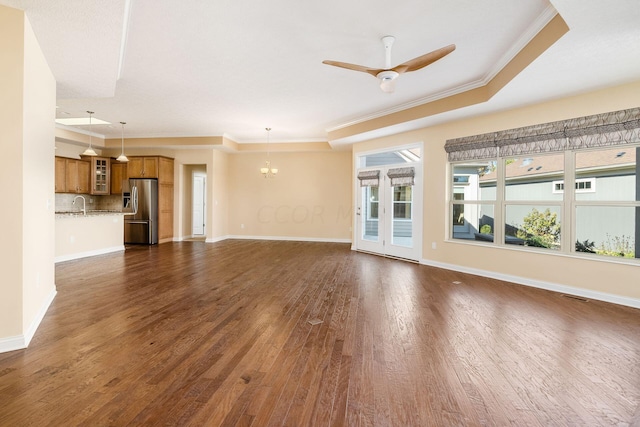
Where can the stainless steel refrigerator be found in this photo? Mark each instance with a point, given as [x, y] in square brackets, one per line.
[140, 205]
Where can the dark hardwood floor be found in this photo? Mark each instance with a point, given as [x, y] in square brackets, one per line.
[219, 334]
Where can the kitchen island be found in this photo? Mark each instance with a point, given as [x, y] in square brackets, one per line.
[96, 233]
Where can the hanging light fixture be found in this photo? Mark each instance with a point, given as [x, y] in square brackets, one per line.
[89, 151]
[267, 170]
[122, 157]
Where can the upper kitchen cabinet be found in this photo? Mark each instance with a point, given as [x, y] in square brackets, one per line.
[165, 170]
[100, 175]
[118, 173]
[143, 167]
[77, 176]
[61, 175]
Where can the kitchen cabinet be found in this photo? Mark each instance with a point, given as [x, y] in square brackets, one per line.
[100, 175]
[77, 176]
[118, 173]
[143, 167]
[165, 211]
[165, 198]
[165, 170]
[61, 175]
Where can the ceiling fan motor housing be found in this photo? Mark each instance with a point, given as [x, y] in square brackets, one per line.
[387, 75]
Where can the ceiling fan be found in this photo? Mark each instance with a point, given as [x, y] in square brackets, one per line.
[388, 75]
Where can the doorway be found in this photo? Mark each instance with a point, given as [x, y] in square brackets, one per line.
[198, 224]
[389, 203]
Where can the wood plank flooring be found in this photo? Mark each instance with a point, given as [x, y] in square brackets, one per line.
[205, 334]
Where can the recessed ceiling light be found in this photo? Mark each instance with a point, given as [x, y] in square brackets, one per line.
[81, 121]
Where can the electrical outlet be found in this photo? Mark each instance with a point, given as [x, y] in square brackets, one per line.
[433, 245]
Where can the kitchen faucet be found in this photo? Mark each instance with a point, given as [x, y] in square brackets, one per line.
[84, 204]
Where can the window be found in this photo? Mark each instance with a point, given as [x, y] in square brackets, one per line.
[570, 186]
[474, 184]
[410, 155]
[583, 185]
[608, 221]
[535, 211]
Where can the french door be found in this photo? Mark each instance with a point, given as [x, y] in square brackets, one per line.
[388, 212]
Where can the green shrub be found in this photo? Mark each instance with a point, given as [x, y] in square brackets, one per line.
[540, 229]
[485, 229]
[620, 246]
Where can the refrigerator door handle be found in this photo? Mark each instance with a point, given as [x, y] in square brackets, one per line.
[134, 198]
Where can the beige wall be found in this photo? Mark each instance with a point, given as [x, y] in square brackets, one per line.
[309, 198]
[38, 180]
[606, 277]
[214, 163]
[11, 188]
[27, 116]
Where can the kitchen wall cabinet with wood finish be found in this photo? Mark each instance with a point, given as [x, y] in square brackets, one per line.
[143, 167]
[61, 175]
[100, 174]
[72, 176]
[118, 173]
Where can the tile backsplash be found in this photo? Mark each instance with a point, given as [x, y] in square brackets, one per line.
[64, 202]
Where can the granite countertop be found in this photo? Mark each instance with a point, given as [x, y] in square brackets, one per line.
[67, 214]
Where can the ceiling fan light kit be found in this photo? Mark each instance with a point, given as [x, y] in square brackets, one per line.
[388, 75]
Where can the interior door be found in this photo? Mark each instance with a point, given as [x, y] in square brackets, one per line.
[389, 214]
[198, 205]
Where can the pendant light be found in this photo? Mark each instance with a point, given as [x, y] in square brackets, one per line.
[267, 171]
[89, 151]
[122, 157]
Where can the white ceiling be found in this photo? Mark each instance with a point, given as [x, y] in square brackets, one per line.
[228, 67]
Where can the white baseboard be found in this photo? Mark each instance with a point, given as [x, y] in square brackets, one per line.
[79, 255]
[217, 239]
[19, 342]
[292, 239]
[555, 287]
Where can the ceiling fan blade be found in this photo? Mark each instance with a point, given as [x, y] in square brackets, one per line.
[424, 60]
[373, 71]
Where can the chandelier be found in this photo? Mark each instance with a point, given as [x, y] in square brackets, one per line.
[267, 171]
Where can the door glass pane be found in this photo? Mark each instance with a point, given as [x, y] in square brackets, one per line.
[410, 155]
[402, 225]
[370, 204]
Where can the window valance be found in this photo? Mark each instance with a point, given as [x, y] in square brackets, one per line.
[369, 178]
[607, 129]
[401, 176]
